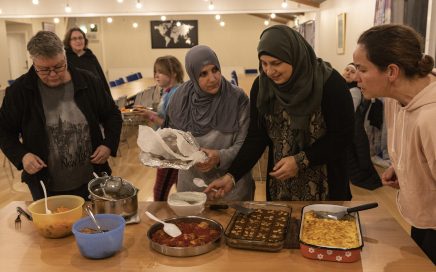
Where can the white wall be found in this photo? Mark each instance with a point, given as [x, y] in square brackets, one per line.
[359, 17]
[30, 27]
[121, 49]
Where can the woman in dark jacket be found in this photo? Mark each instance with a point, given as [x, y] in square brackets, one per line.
[360, 167]
[80, 56]
[301, 109]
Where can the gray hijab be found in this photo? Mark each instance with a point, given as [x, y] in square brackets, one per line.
[301, 95]
[191, 109]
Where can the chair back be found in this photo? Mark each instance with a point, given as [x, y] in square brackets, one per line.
[150, 97]
[139, 74]
[132, 77]
[112, 83]
[138, 98]
[121, 101]
[119, 81]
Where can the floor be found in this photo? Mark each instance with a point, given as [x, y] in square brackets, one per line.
[127, 165]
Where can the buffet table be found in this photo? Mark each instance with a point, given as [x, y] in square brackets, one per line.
[131, 88]
[387, 247]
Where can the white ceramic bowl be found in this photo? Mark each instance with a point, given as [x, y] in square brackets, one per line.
[187, 203]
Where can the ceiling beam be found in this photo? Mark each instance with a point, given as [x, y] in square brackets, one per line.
[307, 3]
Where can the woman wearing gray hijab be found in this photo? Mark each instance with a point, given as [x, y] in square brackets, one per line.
[301, 109]
[217, 114]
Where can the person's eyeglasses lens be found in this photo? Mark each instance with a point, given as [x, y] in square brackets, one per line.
[56, 69]
[77, 38]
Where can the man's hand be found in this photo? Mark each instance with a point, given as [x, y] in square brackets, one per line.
[213, 159]
[389, 178]
[285, 168]
[219, 187]
[101, 155]
[32, 164]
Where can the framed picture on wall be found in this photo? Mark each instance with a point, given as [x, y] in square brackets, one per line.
[48, 26]
[174, 34]
[340, 33]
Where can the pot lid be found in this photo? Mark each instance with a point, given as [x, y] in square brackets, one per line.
[111, 188]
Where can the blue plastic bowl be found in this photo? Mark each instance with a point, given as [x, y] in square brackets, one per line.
[100, 245]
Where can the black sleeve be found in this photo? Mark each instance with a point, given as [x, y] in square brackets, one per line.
[256, 141]
[102, 77]
[108, 114]
[10, 115]
[338, 112]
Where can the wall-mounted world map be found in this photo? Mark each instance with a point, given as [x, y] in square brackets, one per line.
[174, 34]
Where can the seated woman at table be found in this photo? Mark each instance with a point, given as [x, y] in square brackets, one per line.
[217, 114]
[301, 108]
[168, 74]
[390, 64]
[80, 56]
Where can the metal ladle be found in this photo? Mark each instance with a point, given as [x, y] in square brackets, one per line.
[91, 215]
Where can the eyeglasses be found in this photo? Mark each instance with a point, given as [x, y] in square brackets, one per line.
[77, 38]
[57, 69]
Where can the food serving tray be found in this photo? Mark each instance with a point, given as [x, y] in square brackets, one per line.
[186, 251]
[331, 253]
[264, 229]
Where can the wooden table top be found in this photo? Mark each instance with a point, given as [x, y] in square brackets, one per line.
[131, 88]
[387, 247]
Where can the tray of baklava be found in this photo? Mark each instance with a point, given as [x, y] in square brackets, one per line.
[264, 228]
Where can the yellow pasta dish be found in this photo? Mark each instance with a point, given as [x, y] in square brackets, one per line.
[329, 232]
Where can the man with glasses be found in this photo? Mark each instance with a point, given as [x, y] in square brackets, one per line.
[50, 122]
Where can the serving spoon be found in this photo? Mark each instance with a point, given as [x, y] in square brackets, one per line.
[341, 214]
[169, 228]
[91, 215]
[200, 183]
[47, 211]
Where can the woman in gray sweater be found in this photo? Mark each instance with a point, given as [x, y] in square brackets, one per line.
[217, 114]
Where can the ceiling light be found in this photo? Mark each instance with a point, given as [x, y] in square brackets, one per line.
[211, 6]
[35, 2]
[178, 23]
[92, 26]
[266, 22]
[163, 18]
[84, 28]
[56, 20]
[284, 4]
[109, 20]
[138, 4]
[135, 25]
[67, 8]
[1, 11]
[273, 15]
[217, 17]
[120, 1]
[222, 23]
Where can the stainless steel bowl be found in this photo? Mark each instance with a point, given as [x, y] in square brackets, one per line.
[186, 251]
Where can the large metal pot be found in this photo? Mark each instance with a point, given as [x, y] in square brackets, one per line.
[122, 200]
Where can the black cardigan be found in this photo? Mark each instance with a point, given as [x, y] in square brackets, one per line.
[22, 115]
[88, 61]
[338, 112]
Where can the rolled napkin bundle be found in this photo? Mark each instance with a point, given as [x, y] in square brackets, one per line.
[168, 148]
